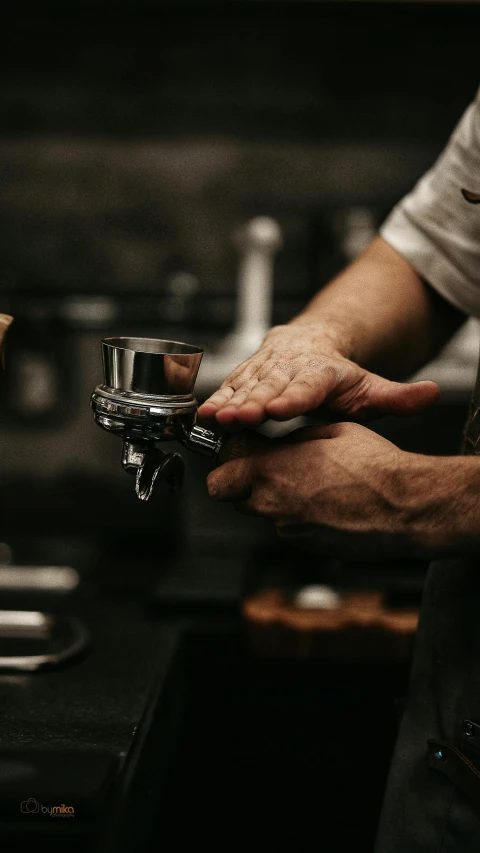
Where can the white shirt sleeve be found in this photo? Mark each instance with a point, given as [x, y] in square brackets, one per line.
[435, 228]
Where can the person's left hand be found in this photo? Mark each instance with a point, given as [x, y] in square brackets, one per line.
[338, 489]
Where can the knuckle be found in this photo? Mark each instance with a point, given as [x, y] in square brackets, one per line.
[269, 382]
[240, 380]
[239, 372]
[247, 386]
[275, 367]
[263, 506]
[242, 392]
[328, 370]
[234, 375]
[304, 382]
[357, 396]
[223, 392]
[265, 502]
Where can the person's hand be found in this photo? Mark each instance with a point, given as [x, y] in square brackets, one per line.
[297, 369]
[5, 322]
[338, 489]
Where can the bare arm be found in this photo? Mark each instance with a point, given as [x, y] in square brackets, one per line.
[377, 314]
[382, 314]
[342, 489]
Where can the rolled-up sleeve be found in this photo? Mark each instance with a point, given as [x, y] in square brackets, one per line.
[435, 228]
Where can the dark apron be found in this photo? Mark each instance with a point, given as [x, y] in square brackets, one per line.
[432, 801]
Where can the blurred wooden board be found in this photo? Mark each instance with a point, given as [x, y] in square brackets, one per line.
[360, 628]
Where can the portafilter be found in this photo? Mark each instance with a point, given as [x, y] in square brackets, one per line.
[147, 399]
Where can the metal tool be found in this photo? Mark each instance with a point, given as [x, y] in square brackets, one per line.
[147, 399]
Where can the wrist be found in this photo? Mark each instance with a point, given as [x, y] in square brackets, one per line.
[328, 334]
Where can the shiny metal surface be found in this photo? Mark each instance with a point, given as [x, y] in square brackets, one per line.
[159, 466]
[203, 441]
[52, 579]
[148, 398]
[136, 416]
[149, 464]
[150, 366]
[64, 637]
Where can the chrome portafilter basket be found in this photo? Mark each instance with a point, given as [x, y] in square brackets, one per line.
[147, 399]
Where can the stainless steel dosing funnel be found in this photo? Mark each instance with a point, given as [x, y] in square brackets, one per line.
[147, 398]
[149, 366]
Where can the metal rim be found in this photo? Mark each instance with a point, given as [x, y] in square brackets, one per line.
[160, 346]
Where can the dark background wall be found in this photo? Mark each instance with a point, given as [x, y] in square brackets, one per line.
[134, 139]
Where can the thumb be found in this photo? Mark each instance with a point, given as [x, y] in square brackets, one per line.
[5, 322]
[382, 397]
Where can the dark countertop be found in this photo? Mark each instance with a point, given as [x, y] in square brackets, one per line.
[82, 734]
[153, 700]
[97, 700]
[167, 688]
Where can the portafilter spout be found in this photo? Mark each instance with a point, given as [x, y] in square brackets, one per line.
[147, 398]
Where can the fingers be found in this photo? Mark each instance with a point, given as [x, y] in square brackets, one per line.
[411, 398]
[278, 389]
[283, 389]
[247, 405]
[235, 382]
[210, 407]
[373, 395]
[255, 485]
[258, 502]
[5, 322]
[239, 482]
[303, 394]
[227, 402]
[232, 481]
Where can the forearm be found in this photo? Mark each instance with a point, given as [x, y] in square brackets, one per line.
[437, 501]
[381, 314]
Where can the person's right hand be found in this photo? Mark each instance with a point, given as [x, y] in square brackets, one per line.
[299, 368]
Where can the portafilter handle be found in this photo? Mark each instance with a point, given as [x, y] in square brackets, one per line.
[245, 443]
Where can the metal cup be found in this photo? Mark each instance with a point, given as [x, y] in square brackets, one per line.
[151, 367]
